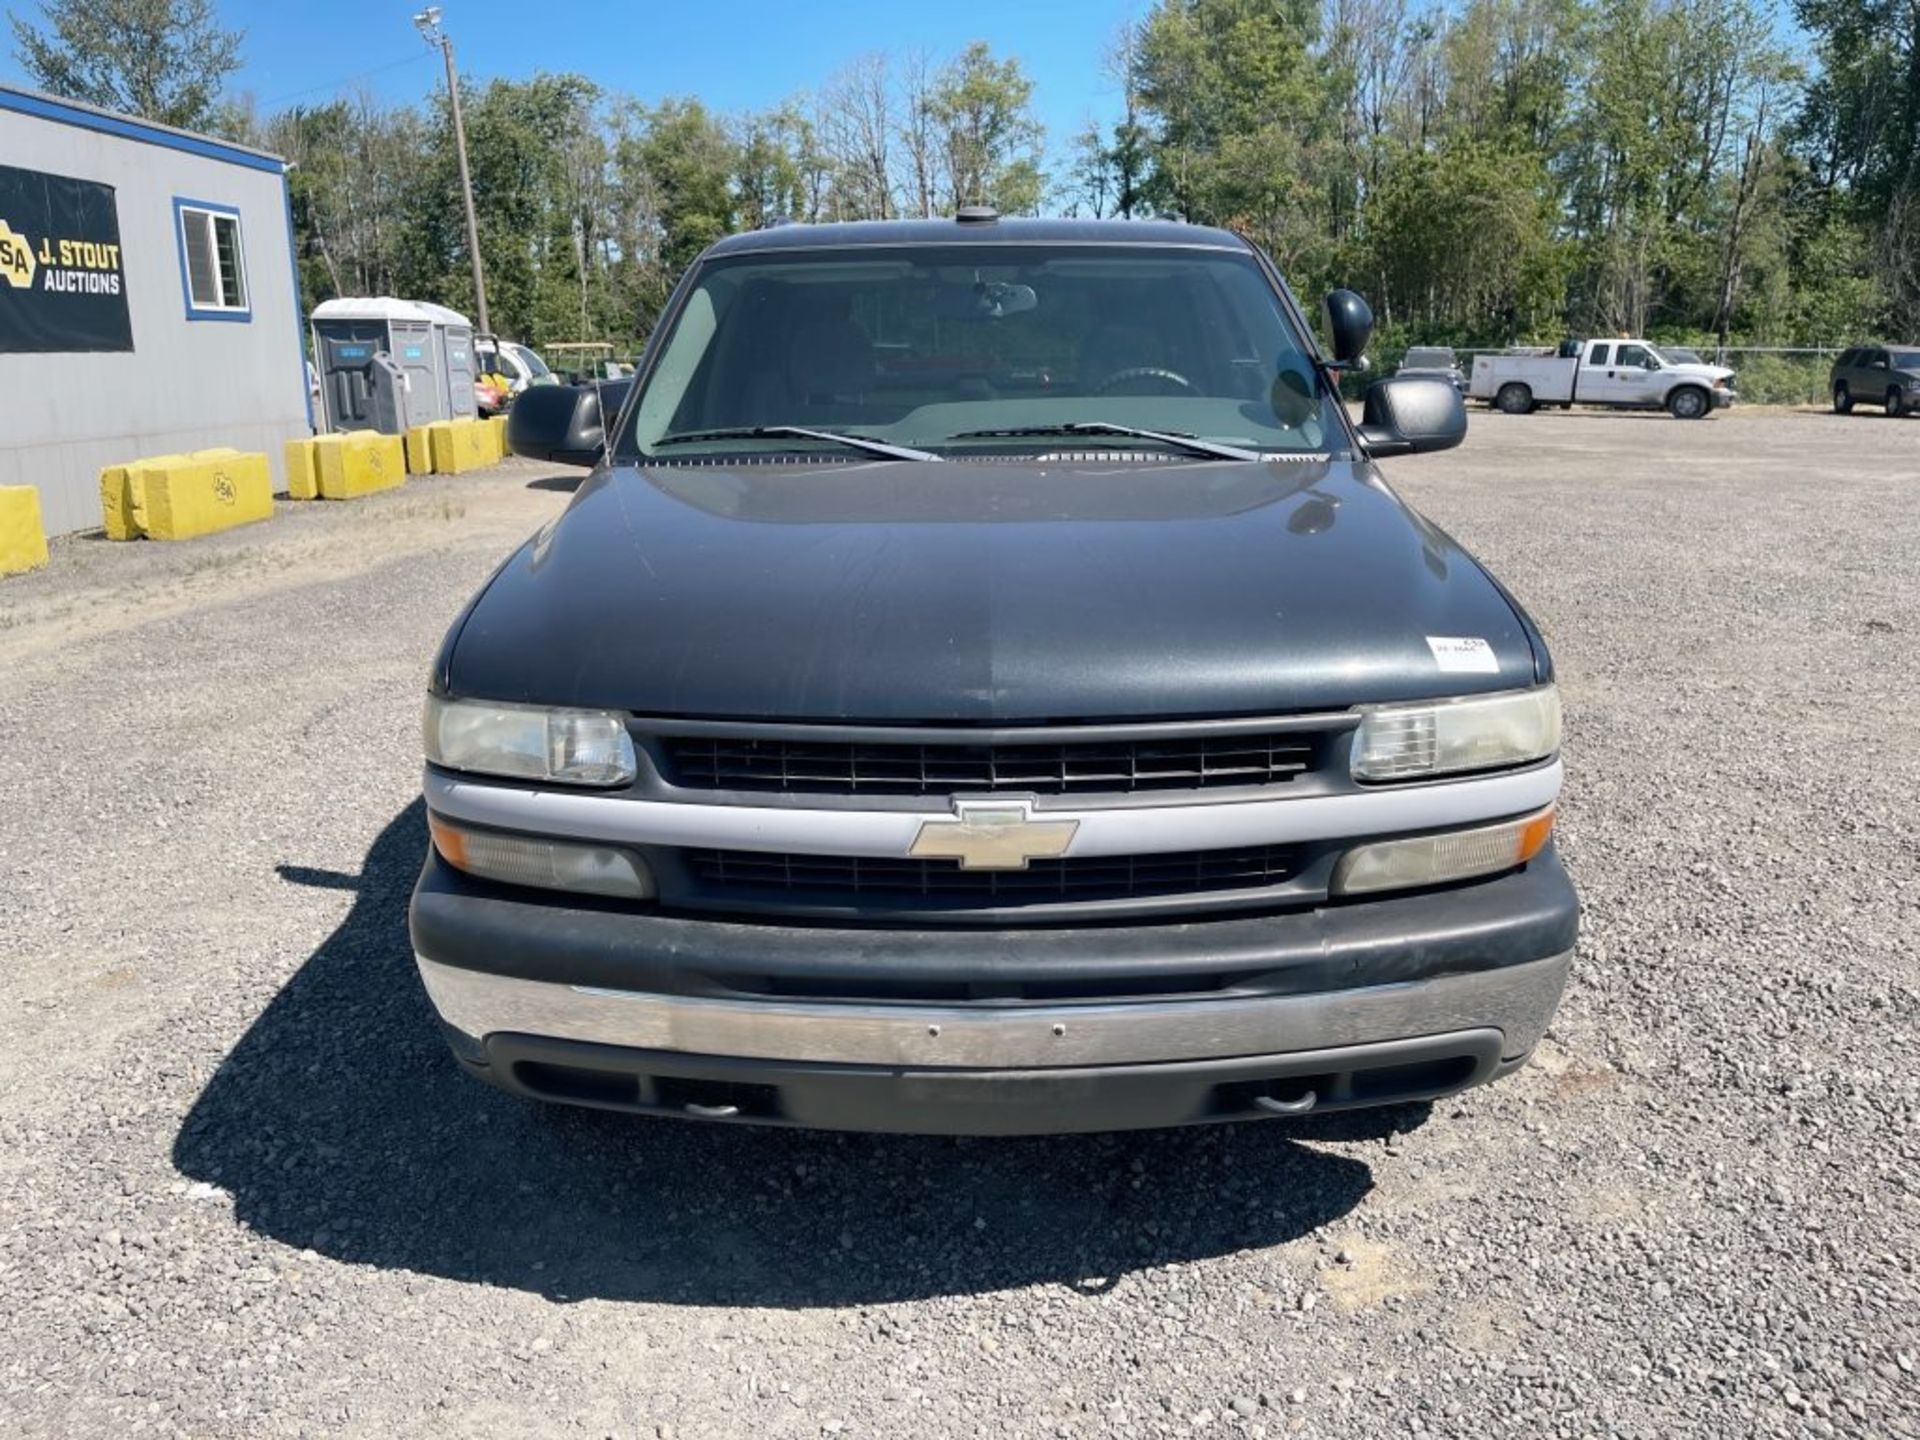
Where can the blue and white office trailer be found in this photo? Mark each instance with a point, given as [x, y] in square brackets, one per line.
[148, 300]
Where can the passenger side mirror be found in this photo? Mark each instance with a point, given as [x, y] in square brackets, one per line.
[1411, 416]
[1350, 324]
[564, 424]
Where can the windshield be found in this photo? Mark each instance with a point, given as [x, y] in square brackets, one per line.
[1422, 358]
[919, 346]
[536, 367]
[1905, 359]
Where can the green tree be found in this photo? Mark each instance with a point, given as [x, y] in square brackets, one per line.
[353, 161]
[1859, 131]
[989, 140]
[1461, 243]
[1240, 108]
[776, 165]
[691, 161]
[162, 59]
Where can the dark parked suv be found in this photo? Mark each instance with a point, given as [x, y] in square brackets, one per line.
[1884, 375]
[986, 686]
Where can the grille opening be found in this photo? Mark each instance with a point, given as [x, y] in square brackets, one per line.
[585, 1085]
[1238, 1097]
[1373, 1085]
[576, 1082]
[838, 987]
[1429, 1077]
[825, 767]
[759, 1101]
[942, 882]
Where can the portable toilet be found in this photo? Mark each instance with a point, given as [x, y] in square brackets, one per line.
[380, 365]
[453, 343]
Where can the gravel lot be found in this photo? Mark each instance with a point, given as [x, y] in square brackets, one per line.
[243, 1192]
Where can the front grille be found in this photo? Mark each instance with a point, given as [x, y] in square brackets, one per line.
[825, 767]
[1089, 878]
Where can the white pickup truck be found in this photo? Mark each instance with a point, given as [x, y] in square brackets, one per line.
[1626, 374]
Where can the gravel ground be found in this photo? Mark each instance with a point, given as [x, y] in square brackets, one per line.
[243, 1191]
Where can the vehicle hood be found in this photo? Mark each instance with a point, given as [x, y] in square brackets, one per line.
[962, 591]
[1708, 373]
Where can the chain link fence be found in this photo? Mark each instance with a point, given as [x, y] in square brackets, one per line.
[1776, 374]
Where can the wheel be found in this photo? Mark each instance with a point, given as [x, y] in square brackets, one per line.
[1514, 398]
[1689, 402]
[1842, 399]
[1150, 374]
[1896, 401]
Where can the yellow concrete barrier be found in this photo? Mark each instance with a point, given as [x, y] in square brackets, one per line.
[498, 425]
[303, 468]
[180, 496]
[116, 496]
[23, 539]
[419, 450]
[460, 446]
[361, 462]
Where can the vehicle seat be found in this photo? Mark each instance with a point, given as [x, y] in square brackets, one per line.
[830, 367]
[1109, 349]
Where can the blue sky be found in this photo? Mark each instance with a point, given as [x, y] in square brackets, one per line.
[732, 54]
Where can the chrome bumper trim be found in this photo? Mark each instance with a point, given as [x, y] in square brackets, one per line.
[1518, 1000]
[1128, 830]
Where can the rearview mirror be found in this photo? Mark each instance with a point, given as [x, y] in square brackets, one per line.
[1350, 324]
[564, 424]
[984, 300]
[1412, 415]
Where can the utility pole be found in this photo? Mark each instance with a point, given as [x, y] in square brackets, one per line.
[427, 22]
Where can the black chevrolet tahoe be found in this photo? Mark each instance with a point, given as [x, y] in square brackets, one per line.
[986, 686]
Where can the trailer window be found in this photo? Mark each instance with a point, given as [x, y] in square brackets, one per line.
[212, 262]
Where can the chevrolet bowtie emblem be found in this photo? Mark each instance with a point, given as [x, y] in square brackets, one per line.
[999, 835]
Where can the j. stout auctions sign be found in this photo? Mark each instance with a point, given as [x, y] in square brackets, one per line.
[61, 282]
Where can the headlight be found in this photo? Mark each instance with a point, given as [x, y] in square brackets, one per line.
[527, 742]
[1437, 859]
[549, 864]
[1447, 737]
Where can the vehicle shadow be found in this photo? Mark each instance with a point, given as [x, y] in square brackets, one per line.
[339, 1123]
[565, 483]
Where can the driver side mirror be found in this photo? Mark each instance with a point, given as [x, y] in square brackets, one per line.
[564, 424]
[1412, 415]
[1350, 323]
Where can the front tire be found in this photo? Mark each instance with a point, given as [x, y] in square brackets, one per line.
[1514, 399]
[1842, 399]
[1689, 402]
[1896, 402]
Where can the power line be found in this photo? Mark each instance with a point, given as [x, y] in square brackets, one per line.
[348, 80]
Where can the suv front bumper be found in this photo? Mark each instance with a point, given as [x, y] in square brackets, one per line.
[1395, 999]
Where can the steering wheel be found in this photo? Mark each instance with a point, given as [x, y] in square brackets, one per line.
[1143, 372]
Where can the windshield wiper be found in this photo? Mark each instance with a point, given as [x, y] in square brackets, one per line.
[798, 432]
[1180, 440]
